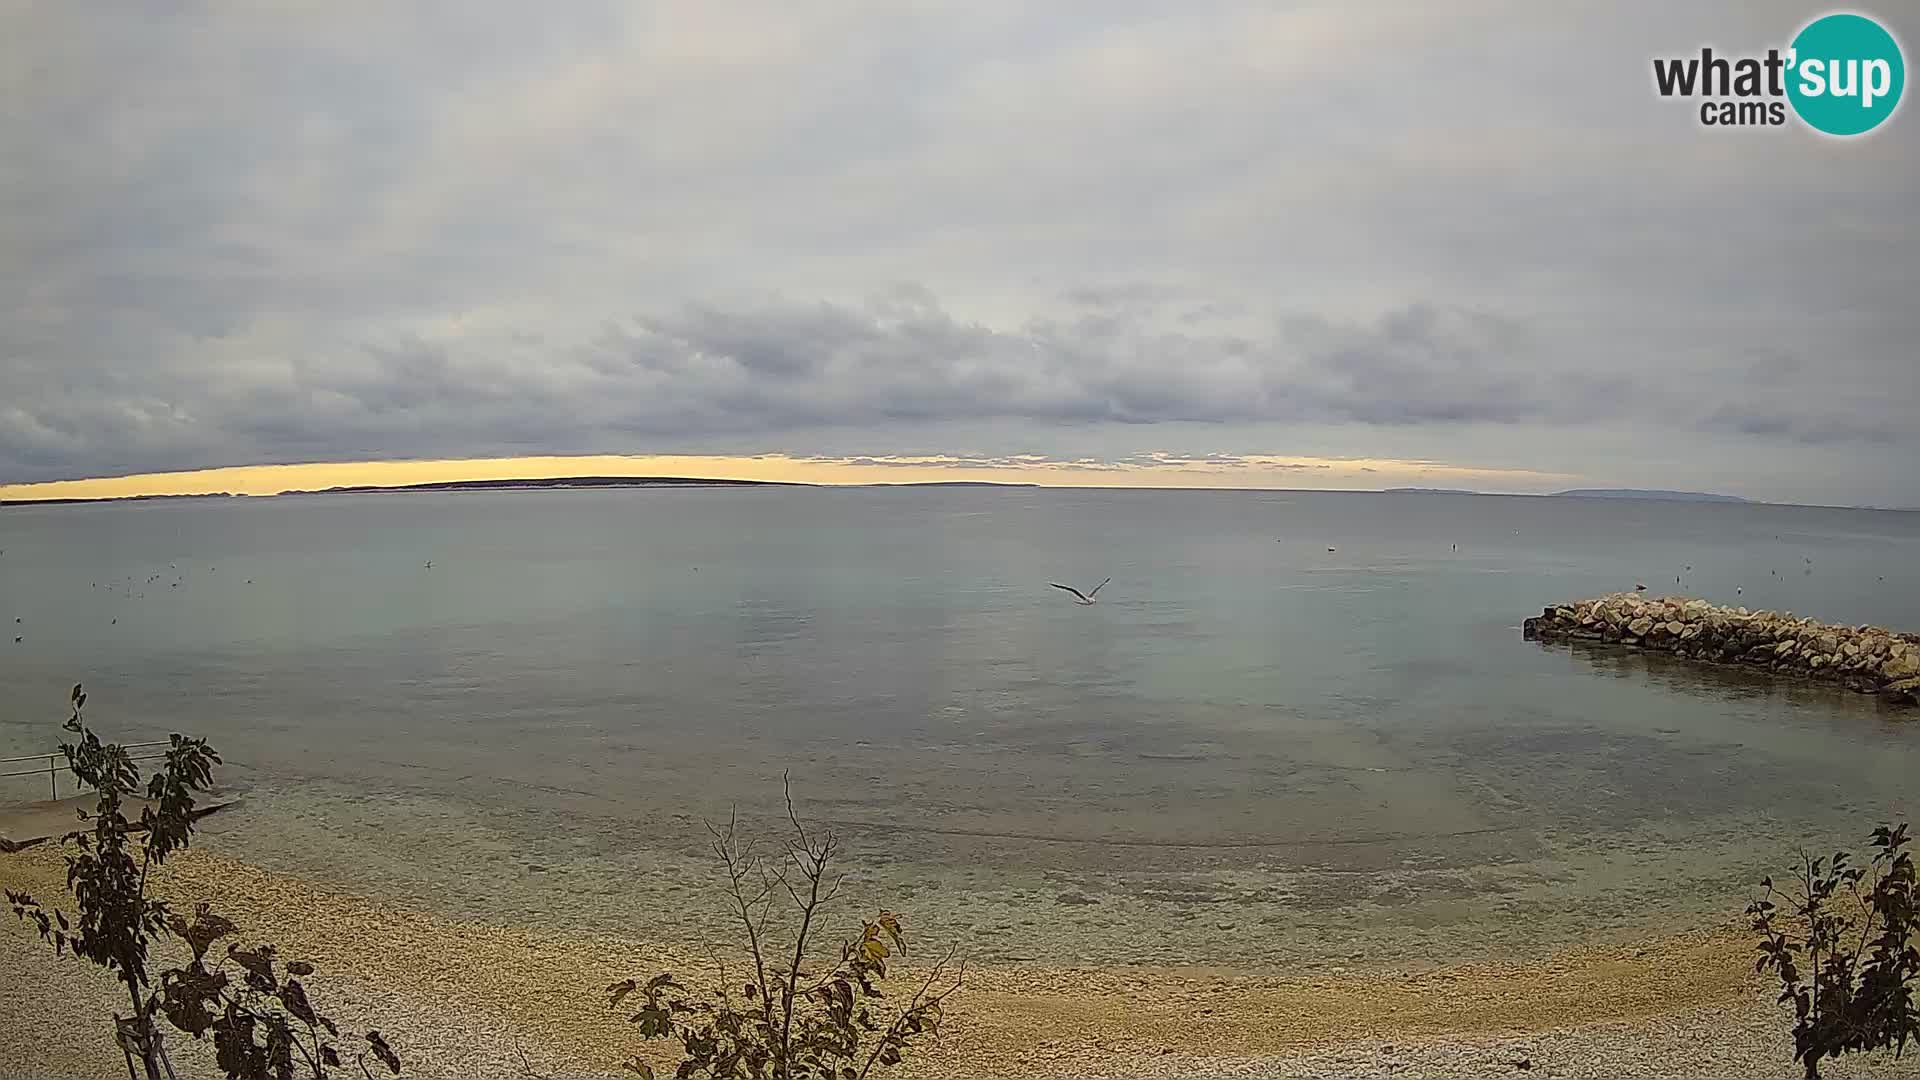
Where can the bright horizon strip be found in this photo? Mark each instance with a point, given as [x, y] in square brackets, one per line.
[1154, 470]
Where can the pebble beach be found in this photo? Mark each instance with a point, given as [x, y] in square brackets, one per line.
[462, 999]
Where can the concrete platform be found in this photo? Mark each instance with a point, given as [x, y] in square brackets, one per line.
[22, 825]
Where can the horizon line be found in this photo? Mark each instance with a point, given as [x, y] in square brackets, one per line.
[542, 482]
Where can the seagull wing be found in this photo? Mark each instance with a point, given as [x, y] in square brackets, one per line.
[1097, 588]
[1069, 588]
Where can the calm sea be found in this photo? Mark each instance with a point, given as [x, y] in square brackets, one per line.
[1340, 756]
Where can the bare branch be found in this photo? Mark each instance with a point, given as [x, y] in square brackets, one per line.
[726, 844]
[808, 1020]
[799, 830]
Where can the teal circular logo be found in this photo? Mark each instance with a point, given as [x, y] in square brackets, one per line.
[1846, 74]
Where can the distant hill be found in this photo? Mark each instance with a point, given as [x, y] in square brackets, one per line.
[1430, 491]
[1642, 493]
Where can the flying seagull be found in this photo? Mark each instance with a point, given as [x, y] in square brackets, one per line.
[1080, 597]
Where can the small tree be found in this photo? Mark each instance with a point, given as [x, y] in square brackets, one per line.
[1844, 946]
[795, 1015]
[259, 1023]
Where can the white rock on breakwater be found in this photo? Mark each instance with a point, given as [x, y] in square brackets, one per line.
[1869, 659]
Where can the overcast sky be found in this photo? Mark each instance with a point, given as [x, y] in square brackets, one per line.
[1467, 234]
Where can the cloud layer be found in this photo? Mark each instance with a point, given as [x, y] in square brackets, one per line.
[1086, 231]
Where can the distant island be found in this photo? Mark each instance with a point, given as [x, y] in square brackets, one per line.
[1429, 491]
[546, 482]
[538, 483]
[1642, 493]
[119, 498]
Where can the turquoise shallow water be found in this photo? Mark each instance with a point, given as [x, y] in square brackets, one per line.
[1344, 756]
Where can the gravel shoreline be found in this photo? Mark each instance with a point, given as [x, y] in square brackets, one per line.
[468, 1000]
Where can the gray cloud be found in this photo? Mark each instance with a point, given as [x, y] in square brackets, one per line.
[701, 370]
[230, 237]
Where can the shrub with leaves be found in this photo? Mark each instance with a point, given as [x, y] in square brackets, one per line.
[262, 1023]
[1843, 943]
[795, 1014]
[263, 1026]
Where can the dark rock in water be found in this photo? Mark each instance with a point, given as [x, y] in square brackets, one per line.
[1865, 659]
[1905, 691]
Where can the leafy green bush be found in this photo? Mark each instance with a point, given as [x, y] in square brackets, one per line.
[1844, 946]
[794, 1015]
[263, 1026]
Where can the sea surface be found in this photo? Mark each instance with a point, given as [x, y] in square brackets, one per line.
[1298, 729]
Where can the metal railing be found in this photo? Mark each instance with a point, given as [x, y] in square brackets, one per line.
[57, 762]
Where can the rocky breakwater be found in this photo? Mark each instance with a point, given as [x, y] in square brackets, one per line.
[1868, 659]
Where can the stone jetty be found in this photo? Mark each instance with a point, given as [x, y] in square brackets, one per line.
[1868, 659]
